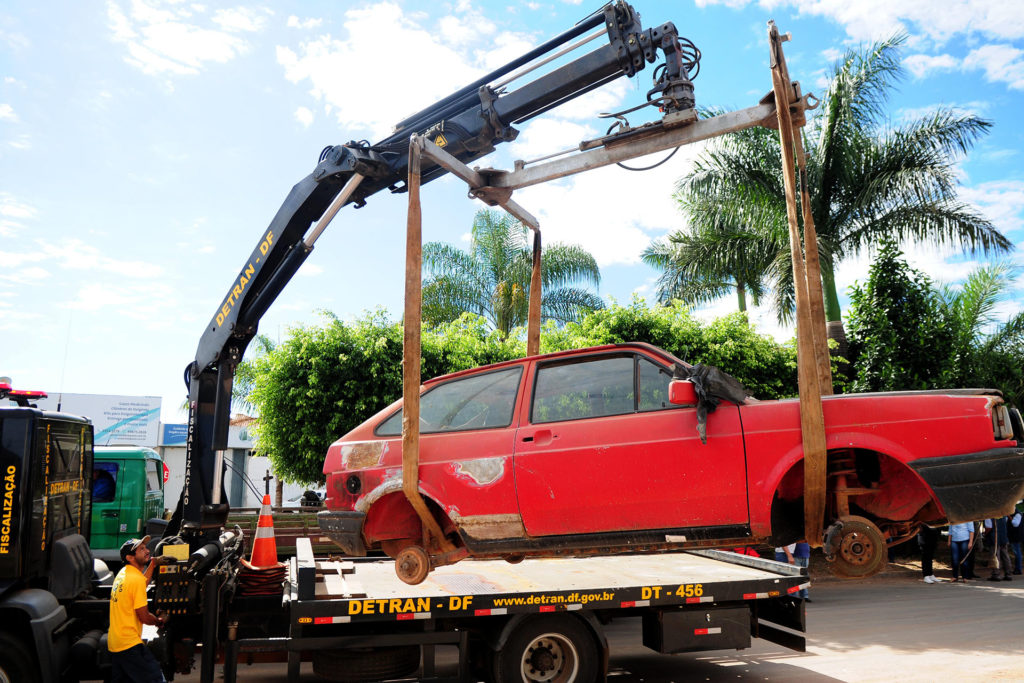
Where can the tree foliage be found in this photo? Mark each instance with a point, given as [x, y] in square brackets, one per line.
[908, 333]
[895, 327]
[492, 279]
[322, 381]
[867, 178]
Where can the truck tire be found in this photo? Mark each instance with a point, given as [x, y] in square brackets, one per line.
[547, 649]
[366, 664]
[16, 665]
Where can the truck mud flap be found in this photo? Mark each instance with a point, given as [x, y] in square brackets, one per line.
[781, 621]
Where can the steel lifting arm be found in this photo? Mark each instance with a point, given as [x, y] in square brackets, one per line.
[468, 124]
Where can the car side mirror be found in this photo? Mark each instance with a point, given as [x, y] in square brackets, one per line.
[682, 393]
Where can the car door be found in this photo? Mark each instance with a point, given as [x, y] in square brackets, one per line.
[605, 451]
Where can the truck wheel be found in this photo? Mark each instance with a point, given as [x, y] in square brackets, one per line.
[16, 665]
[860, 549]
[366, 664]
[548, 649]
[412, 565]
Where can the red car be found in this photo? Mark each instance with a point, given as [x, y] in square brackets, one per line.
[604, 450]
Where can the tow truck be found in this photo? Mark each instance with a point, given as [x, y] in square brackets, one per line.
[538, 620]
[501, 621]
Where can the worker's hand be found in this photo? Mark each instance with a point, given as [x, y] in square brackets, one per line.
[159, 560]
[161, 618]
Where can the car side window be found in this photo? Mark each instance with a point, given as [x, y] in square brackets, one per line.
[484, 401]
[653, 381]
[577, 390]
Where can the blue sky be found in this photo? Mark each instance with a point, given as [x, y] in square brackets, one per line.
[145, 145]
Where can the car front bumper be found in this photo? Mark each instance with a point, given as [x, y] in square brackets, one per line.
[975, 486]
[344, 528]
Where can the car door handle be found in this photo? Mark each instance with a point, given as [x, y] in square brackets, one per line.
[110, 513]
[541, 437]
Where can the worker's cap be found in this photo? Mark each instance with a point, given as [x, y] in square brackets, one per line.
[131, 545]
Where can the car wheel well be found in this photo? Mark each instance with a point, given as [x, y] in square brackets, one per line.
[392, 524]
[884, 489]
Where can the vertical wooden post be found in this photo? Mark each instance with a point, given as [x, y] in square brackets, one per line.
[411, 355]
[812, 422]
[816, 296]
[533, 317]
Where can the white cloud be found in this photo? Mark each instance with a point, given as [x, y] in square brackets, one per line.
[310, 270]
[295, 22]
[23, 141]
[921, 65]
[171, 39]
[831, 54]
[456, 56]
[74, 254]
[304, 115]
[866, 20]
[581, 210]
[12, 208]
[7, 113]
[239, 19]
[1002, 202]
[465, 27]
[131, 303]
[1001, 64]
[544, 136]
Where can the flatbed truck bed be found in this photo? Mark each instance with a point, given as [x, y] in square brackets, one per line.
[498, 614]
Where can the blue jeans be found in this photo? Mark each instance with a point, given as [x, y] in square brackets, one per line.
[802, 562]
[1015, 550]
[958, 551]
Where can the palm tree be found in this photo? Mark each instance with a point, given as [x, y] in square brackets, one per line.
[867, 180]
[492, 279]
[984, 352]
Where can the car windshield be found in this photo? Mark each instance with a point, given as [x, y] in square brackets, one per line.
[476, 402]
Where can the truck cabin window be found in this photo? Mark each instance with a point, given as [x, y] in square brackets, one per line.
[483, 401]
[104, 482]
[154, 478]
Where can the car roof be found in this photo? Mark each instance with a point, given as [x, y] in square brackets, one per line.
[627, 346]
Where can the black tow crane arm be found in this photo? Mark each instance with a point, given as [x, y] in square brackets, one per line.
[468, 124]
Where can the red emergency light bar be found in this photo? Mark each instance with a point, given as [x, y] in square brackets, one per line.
[19, 396]
[27, 394]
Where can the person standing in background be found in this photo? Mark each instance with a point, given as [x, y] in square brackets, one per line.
[802, 558]
[961, 536]
[928, 540]
[1015, 534]
[1000, 552]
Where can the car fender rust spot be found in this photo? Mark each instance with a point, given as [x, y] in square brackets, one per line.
[393, 484]
[488, 527]
[483, 471]
[362, 455]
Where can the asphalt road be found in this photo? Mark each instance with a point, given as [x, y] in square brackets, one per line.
[886, 629]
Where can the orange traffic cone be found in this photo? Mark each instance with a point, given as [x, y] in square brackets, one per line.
[264, 547]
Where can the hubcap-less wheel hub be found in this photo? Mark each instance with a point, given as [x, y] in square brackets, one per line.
[550, 657]
[857, 548]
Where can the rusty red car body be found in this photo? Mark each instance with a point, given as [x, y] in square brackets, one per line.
[581, 452]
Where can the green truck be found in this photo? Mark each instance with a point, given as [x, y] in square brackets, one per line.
[127, 492]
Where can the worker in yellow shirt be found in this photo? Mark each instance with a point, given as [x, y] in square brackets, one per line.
[131, 660]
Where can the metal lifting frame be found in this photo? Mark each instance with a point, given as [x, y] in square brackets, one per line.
[495, 187]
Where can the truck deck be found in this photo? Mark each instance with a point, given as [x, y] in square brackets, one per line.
[369, 591]
[695, 600]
